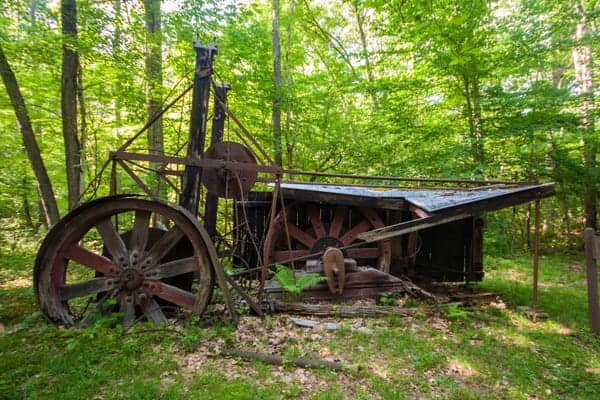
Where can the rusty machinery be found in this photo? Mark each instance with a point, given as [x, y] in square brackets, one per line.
[237, 218]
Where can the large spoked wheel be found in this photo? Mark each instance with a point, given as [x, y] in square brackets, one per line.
[313, 227]
[106, 257]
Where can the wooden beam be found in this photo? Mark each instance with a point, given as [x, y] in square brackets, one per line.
[414, 225]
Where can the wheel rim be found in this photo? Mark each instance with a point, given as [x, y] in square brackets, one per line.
[313, 227]
[107, 258]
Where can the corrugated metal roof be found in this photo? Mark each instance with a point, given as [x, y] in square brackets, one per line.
[430, 200]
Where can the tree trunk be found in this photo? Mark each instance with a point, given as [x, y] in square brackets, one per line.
[289, 142]
[29, 142]
[70, 64]
[473, 111]
[276, 116]
[154, 83]
[32, 11]
[582, 62]
[27, 213]
[365, 51]
[83, 129]
[116, 52]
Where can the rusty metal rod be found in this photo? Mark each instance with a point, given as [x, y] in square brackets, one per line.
[136, 179]
[536, 255]
[125, 145]
[246, 132]
[234, 166]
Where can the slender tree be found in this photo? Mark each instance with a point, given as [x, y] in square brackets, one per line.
[276, 115]
[116, 53]
[154, 78]
[31, 147]
[360, 22]
[70, 65]
[584, 75]
[289, 141]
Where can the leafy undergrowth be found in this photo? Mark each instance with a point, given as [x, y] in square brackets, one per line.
[489, 351]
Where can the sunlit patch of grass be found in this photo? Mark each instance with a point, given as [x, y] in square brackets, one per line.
[487, 352]
[561, 292]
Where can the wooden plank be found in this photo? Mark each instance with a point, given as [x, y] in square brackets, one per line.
[414, 225]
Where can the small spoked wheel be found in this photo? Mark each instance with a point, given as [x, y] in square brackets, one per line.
[141, 259]
[306, 229]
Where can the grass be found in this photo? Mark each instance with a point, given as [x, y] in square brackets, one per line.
[487, 352]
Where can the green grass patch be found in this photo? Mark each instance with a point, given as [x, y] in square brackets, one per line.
[486, 352]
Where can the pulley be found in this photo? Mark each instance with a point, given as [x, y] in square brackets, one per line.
[228, 181]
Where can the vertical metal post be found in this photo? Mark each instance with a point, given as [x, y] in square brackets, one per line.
[591, 255]
[218, 126]
[190, 186]
[536, 255]
[113, 178]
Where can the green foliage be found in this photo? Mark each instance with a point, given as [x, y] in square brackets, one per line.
[293, 282]
[403, 104]
[456, 312]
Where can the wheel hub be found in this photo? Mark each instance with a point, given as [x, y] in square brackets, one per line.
[323, 243]
[131, 279]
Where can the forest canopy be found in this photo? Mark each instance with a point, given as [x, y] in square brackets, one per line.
[422, 88]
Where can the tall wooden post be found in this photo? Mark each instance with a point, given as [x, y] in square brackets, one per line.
[218, 126]
[190, 187]
[536, 255]
[592, 247]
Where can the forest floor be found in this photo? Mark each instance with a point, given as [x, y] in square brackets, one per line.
[489, 350]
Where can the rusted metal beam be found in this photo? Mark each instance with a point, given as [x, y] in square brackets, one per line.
[196, 162]
[137, 179]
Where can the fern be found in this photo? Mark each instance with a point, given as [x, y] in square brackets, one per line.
[295, 284]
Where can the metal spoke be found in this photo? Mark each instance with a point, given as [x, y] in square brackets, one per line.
[315, 221]
[139, 235]
[372, 216]
[165, 244]
[153, 312]
[350, 236]
[90, 259]
[174, 294]
[301, 236]
[113, 242]
[337, 222]
[174, 268]
[128, 308]
[85, 288]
